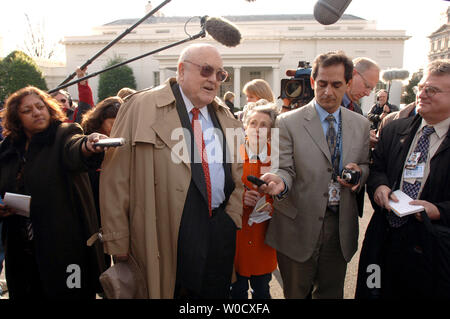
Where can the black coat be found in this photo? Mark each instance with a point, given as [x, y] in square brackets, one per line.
[388, 159]
[230, 105]
[62, 209]
[375, 113]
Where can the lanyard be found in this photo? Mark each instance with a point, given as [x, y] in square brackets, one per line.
[336, 156]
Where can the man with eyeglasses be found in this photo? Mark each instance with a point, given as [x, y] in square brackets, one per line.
[66, 103]
[74, 111]
[401, 246]
[171, 197]
[314, 234]
[366, 74]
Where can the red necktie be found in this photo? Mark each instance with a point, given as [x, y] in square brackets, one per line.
[351, 107]
[198, 136]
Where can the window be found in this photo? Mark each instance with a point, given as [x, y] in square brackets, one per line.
[384, 53]
[255, 75]
[156, 78]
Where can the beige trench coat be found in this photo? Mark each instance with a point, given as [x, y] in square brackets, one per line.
[143, 185]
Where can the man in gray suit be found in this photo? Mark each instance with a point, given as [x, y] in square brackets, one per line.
[316, 236]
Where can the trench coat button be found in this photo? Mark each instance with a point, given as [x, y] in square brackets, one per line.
[329, 169]
[325, 194]
[250, 242]
[321, 218]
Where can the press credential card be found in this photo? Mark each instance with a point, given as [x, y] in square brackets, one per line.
[19, 202]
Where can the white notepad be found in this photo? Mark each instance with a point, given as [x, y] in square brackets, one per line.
[19, 202]
[402, 207]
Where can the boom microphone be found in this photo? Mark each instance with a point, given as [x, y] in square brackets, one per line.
[222, 31]
[329, 11]
[395, 74]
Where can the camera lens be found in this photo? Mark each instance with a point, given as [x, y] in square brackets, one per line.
[294, 88]
[346, 177]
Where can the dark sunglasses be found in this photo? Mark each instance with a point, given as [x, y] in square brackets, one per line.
[206, 71]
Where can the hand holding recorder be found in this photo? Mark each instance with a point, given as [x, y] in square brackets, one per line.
[97, 143]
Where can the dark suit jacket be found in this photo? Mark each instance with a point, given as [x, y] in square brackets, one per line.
[388, 159]
[205, 243]
[390, 155]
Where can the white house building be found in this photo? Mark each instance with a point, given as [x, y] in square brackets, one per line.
[270, 45]
[440, 40]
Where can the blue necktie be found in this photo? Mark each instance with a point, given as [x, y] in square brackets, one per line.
[412, 190]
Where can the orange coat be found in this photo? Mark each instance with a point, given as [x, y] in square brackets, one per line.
[253, 256]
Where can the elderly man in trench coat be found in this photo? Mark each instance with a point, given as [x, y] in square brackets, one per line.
[156, 204]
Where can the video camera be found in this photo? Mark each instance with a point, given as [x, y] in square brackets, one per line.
[298, 88]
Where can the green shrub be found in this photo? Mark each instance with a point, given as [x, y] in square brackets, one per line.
[18, 70]
[113, 80]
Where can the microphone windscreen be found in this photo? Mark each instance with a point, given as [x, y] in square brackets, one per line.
[395, 74]
[329, 11]
[223, 31]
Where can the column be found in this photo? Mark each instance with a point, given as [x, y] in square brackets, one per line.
[237, 86]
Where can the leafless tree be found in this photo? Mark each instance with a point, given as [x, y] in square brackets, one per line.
[36, 43]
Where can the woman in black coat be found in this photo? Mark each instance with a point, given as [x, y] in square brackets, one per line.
[46, 255]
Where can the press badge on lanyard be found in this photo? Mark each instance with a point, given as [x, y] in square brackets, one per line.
[413, 170]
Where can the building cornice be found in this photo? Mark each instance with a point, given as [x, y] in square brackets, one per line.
[92, 41]
[229, 60]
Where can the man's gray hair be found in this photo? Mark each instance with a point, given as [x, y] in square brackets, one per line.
[362, 64]
[439, 67]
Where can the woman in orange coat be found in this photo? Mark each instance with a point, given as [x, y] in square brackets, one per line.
[254, 260]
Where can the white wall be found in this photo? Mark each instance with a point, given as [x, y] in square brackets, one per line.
[265, 45]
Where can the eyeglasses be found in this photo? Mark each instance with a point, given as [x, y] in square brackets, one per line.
[366, 84]
[206, 71]
[430, 91]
